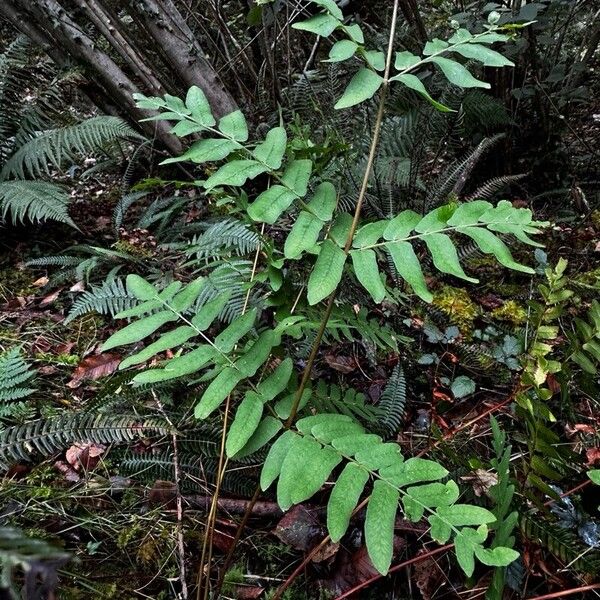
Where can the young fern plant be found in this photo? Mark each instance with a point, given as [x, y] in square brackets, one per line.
[238, 362]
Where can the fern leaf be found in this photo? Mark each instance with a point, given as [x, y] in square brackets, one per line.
[393, 402]
[34, 201]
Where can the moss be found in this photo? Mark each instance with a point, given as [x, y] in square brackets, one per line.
[16, 282]
[511, 311]
[458, 306]
[595, 219]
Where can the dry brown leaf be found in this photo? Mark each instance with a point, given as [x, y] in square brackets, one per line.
[94, 367]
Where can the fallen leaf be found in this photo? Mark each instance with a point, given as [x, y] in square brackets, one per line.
[246, 592]
[343, 364]
[300, 528]
[69, 473]
[481, 481]
[94, 367]
[78, 287]
[84, 455]
[41, 282]
[50, 298]
[593, 456]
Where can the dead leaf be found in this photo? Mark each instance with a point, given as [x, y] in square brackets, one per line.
[78, 287]
[93, 367]
[343, 364]
[300, 528]
[84, 455]
[41, 282]
[50, 298]
[246, 592]
[593, 456]
[69, 473]
[481, 481]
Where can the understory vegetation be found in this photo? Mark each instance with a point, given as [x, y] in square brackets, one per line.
[299, 299]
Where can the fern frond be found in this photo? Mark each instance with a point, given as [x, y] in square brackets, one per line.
[331, 399]
[34, 201]
[392, 403]
[110, 298]
[14, 374]
[487, 190]
[47, 436]
[227, 237]
[65, 144]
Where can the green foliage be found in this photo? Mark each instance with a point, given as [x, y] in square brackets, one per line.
[31, 140]
[35, 559]
[392, 404]
[16, 379]
[237, 362]
[47, 436]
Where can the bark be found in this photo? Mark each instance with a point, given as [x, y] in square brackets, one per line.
[411, 13]
[109, 27]
[66, 34]
[171, 33]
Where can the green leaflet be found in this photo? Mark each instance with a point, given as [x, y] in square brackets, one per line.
[323, 201]
[354, 32]
[297, 175]
[375, 59]
[341, 228]
[321, 24]
[179, 366]
[310, 222]
[303, 236]
[210, 311]
[168, 340]
[272, 465]
[496, 557]
[489, 57]
[206, 150]
[379, 525]
[304, 470]
[465, 543]
[283, 407]
[401, 225]
[257, 354]
[465, 514]
[220, 387]
[138, 330]
[352, 444]
[342, 50]
[367, 272]
[234, 126]
[235, 331]
[429, 495]
[270, 204]
[198, 105]
[140, 288]
[271, 151]
[362, 86]
[488, 243]
[331, 7]
[409, 268]
[267, 429]
[380, 456]
[369, 234]
[469, 213]
[457, 74]
[444, 255]
[158, 301]
[405, 60]
[327, 432]
[306, 424]
[414, 470]
[415, 84]
[327, 272]
[344, 498]
[277, 381]
[235, 173]
[245, 423]
[188, 296]
[594, 475]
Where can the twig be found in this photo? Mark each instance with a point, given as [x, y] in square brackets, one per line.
[584, 588]
[177, 472]
[406, 563]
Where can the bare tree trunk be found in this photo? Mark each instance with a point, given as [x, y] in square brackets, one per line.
[111, 31]
[410, 10]
[67, 35]
[172, 35]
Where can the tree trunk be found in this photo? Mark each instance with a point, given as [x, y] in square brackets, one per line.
[72, 39]
[64, 34]
[171, 33]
